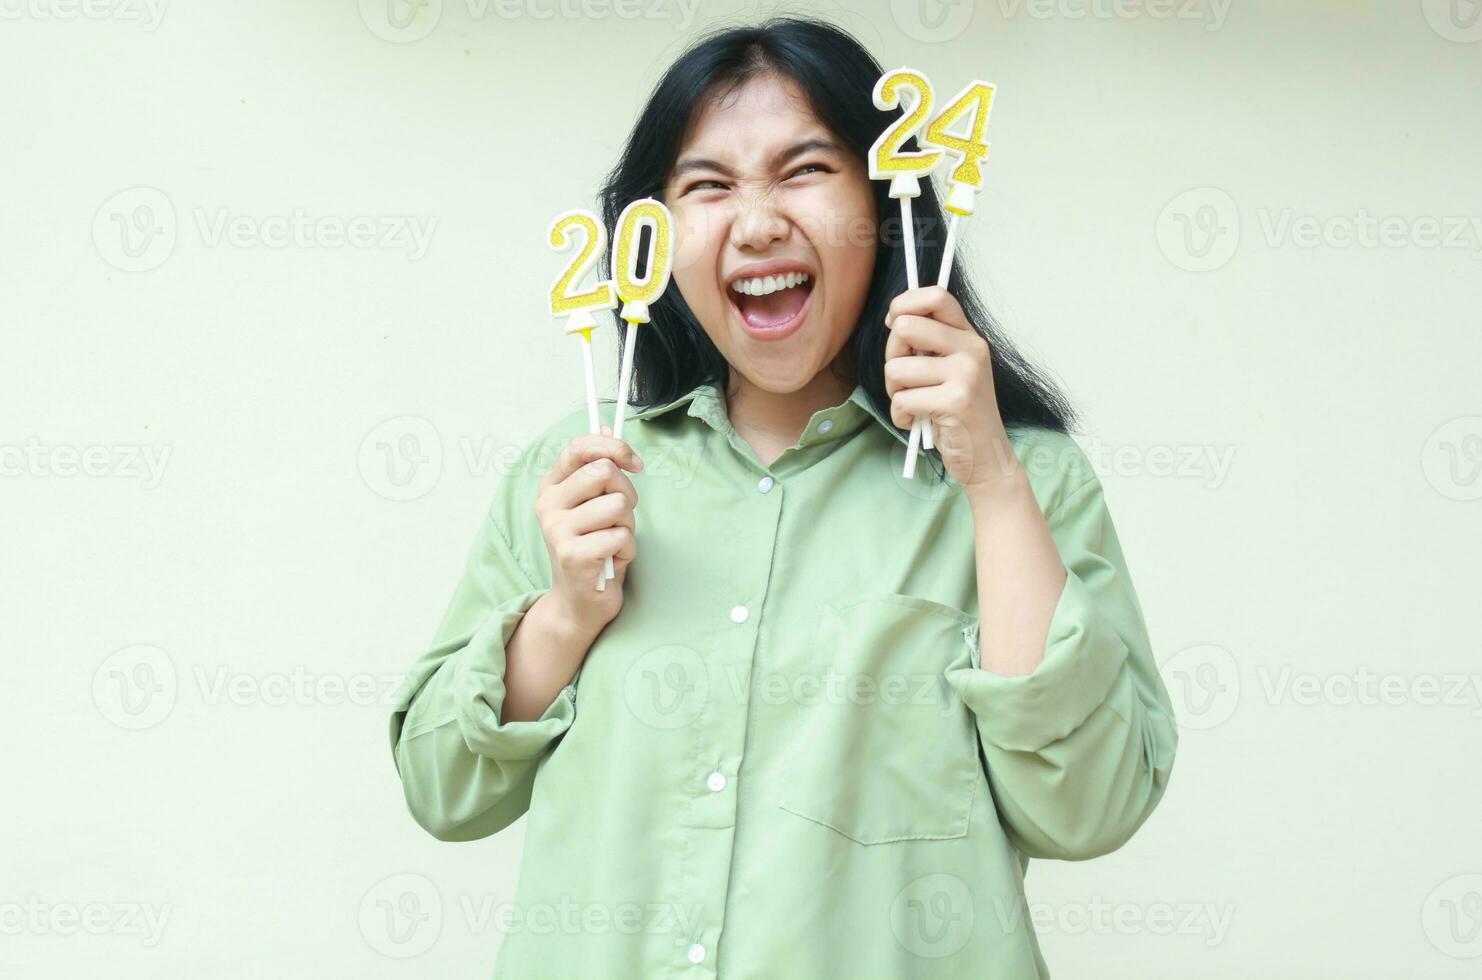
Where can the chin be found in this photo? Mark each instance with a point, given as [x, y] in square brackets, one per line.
[781, 375]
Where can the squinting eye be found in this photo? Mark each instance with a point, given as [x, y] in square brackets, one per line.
[701, 185]
[806, 168]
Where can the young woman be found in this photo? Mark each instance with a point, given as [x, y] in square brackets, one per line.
[824, 715]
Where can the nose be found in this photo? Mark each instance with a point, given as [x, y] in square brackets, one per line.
[758, 224]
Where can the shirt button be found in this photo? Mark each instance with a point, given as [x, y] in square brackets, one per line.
[739, 614]
[716, 781]
[825, 425]
[765, 484]
[697, 953]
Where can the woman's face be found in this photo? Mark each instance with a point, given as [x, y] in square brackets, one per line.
[775, 233]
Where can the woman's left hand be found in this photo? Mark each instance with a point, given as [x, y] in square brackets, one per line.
[955, 388]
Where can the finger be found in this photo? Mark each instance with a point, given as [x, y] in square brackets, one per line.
[928, 301]
[598, 477]
[907, 403]
[897, 345]
[597, 546]
[582, 449]
[924, 335]
[914, 372]
[607, 510]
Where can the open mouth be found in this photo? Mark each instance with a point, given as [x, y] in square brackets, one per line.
[773, 306]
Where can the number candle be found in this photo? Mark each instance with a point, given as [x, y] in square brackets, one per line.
[904, 168]
[567, 230]
[967, 175]
[637, 294]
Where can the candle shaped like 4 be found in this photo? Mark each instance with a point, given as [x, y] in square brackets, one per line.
[909, 89]
[966, 178]
[581, 229]
[970, 149]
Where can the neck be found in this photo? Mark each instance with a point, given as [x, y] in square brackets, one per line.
[781, 417]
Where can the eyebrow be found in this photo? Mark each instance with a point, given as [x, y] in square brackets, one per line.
[817, 143]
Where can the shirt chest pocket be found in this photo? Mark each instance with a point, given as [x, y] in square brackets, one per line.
[886, 750]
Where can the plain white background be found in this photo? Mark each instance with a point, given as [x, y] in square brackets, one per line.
[272, 325]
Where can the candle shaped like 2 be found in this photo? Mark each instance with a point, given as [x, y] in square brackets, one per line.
[567, 230]
[904, 169]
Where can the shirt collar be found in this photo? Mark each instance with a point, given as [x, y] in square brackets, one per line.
[707, 403]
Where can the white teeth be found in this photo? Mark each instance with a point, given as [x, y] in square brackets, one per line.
[763, 285]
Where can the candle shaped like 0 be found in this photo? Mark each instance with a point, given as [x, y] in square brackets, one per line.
[904, 169]
[637, 294]
[567, 230]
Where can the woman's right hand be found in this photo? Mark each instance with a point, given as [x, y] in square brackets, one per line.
[585, 508]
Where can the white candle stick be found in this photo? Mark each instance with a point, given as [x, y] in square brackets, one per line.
[594, 426]
[913, 280]
[569, 228]
[904, 168]
[594, 421]
[630, 340]
[928, 437]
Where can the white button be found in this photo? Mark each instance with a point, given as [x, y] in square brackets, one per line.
[716, 782]
[697, 953]
[825, 425]
[765, 484]
[739, 614]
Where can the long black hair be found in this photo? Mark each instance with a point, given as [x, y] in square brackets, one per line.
[837, 74]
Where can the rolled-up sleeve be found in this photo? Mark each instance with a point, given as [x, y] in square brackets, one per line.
[1078, 752]
[466, 772]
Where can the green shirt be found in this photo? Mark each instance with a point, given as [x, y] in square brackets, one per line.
[782, 759]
